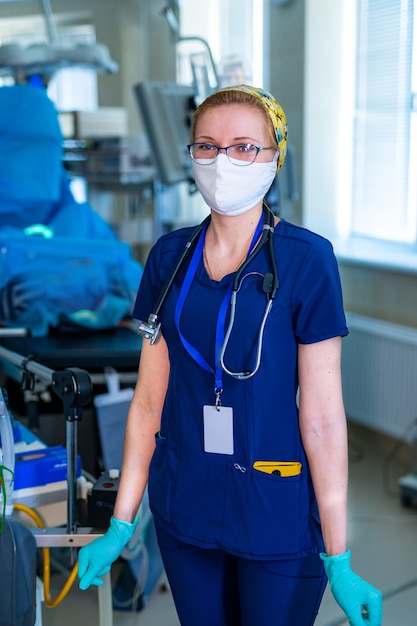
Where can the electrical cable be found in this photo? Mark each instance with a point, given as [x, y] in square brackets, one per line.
[3, 468]
[393, 591]
[131, 552]
[390, 457]
[139, 589]
[355, 451]
[47, 563]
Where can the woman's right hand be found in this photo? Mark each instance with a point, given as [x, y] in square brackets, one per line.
[361, 602]
[96, 558]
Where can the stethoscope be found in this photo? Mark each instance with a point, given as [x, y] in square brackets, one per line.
[152, 328]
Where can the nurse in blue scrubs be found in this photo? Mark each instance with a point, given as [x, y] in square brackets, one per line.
[237, 422]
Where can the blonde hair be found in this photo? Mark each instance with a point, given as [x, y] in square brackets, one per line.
[220, 98]
[258, 99]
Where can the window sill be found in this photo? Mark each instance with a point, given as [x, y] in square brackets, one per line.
[395, 257]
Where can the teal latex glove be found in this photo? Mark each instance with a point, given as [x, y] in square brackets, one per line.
[361, 602]
[96, 558]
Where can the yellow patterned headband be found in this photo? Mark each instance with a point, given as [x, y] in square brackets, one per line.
[275, 112]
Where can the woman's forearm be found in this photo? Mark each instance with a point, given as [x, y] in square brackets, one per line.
[143, 421]
[137, 454]
[326, 449]
[324, 434]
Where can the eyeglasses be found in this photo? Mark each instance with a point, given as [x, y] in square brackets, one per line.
[241, 153]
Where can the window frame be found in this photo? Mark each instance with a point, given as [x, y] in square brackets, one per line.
[382, 123]
[328, 130]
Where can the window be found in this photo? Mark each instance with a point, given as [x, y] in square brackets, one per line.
[384, 165]
[360, 128]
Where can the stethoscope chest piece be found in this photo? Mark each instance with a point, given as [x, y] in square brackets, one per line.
[151, 329]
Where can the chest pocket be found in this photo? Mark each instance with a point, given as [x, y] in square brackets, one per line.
[266, 513]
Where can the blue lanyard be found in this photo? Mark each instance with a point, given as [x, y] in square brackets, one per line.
[220, 331]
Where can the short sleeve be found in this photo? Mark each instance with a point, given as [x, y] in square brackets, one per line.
[162, 259]
[317, 301]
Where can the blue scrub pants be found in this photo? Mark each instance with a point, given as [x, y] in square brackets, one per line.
[213, 588]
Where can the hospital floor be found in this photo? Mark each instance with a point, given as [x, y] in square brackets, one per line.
[382, 538]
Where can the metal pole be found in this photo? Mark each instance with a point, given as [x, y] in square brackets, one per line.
[73, 386]
[71, 436]
[51, 30]
[27, 364]
[14, 332]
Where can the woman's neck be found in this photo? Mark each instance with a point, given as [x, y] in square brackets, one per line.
[232, 232]
[227, 242]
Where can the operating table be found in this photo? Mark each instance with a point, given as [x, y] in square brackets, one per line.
[93, 351]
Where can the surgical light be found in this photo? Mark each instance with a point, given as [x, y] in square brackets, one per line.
[48, 58]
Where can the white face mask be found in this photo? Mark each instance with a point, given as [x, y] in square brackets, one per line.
[232, 189]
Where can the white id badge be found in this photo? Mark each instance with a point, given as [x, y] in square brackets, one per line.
[218, 429]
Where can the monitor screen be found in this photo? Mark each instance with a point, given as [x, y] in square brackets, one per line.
[167, 110]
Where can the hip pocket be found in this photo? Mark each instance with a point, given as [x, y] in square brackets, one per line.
[162, 477]
[267, 514]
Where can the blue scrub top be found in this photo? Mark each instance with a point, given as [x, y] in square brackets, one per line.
[220, 500]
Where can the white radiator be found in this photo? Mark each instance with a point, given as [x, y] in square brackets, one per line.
[379, 372]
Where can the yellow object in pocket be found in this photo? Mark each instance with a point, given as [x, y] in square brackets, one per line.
[279, 468]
